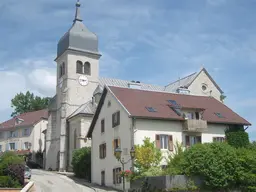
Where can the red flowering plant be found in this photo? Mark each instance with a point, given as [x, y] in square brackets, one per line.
[126, 174]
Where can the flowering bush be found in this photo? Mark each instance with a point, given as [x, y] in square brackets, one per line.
[126, 173]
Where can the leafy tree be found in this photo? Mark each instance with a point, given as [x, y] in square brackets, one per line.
[81, 162]
[147, 155]
[27, 102]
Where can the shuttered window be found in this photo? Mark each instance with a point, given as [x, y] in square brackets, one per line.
[102, 151]
[102, 126]
[116, 119]
[116, 176]
[164, 142]
[87, 68]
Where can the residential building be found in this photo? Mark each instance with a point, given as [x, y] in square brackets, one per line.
[124, 117]
[23, 133]
[79, 88]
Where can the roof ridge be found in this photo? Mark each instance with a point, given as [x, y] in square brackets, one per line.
[181, 79]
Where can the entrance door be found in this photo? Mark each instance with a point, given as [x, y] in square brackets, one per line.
[103, 178]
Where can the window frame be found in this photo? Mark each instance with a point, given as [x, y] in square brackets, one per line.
[10, 144]
[103, 151]
[117, 122]
[102, 125]
[218, 139]
[117, 179]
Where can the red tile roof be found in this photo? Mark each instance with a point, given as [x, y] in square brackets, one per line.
[29, 118]
[136, 101]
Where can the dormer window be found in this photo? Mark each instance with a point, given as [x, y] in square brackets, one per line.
[83, 68]
[18, 121]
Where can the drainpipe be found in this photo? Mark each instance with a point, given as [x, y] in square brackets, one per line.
[133, 127]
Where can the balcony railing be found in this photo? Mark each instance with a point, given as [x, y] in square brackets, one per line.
[195, 125]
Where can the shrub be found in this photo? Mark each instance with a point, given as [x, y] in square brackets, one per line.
[247, 160]
[16, 171]
[216, 163]
[81, 162]
[9, 158]
[8, 182]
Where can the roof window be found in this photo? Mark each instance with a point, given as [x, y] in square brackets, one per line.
[174, 104]
[151, 109]
[219, 115]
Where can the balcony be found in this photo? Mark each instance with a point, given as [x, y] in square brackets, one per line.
[195, 125]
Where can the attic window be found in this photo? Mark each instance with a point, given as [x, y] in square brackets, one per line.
[219, 115]
[109, 103]
[204, 87]
[174, 104]
[151, 109]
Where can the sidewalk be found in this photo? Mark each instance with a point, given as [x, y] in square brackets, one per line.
[95, 187]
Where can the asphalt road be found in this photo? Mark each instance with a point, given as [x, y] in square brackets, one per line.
[53, 182]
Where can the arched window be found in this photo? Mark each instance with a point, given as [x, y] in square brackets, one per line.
[75, 139]
[63, 68]
[87, 68]
[79, 67]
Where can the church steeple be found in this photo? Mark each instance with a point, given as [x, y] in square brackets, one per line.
[78, 16]
[78, 37]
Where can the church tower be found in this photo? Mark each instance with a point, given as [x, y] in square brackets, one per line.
[77, 76]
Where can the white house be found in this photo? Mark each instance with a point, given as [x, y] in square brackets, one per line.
[23, 133]
[125, 116]
[79, 88]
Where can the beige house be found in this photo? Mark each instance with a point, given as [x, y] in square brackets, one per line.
[23, 133]
[125, 116]
[79, 88]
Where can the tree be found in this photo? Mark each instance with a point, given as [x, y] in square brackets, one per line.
[237, 137]
[23, 103]
[147, 155]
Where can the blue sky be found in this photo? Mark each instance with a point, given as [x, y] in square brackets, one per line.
[147, 40]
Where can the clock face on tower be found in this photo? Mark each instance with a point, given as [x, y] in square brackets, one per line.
[83, 80]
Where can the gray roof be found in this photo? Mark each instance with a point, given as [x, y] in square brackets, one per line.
[86, 108]
[125, 83]
[184, 82]
[78, 37]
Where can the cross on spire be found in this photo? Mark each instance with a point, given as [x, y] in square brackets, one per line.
[77, 16]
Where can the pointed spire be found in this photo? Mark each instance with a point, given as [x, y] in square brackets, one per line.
[77, 16]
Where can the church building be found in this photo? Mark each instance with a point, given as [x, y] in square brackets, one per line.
[79, 88]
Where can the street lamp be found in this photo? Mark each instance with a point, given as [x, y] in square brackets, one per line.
[118, 153]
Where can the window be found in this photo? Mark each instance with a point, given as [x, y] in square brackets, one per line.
[219, 115]
[204, 87]
[116, 144]
[192, 140]
[109, 103]
[27, 145]
[103, 178]
[79, 67]
[218, 139]
[174, 104]
[190, 115]
[164, 142]
[13, 134]
[116, 119]
[87, 68]
[197, 115]
[102, 126]
[12, 146]
[26, 132]
[62, 69]
[151, 109]
[103, 150]
[1, 148]
[116, 176]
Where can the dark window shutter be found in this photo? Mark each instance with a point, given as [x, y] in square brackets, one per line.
[100, 151]
[170, 143]
[102, 125]
[114, 175]
[187, 141]
[118, 118]
[63, 69]
[113, 120]
[158, 141]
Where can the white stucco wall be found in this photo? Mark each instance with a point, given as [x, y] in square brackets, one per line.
[123, 131]
[196, 87]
